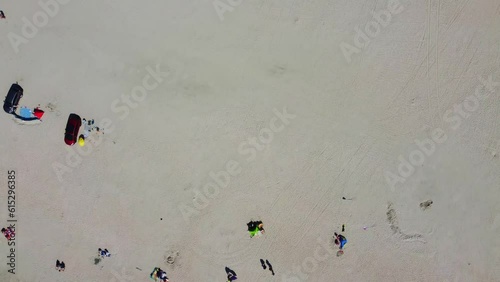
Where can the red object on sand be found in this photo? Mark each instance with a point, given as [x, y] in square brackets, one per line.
[38, 113]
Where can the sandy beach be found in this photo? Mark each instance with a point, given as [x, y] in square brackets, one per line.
[382, 116]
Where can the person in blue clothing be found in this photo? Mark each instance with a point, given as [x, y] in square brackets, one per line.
[104, 253]
[340, 240]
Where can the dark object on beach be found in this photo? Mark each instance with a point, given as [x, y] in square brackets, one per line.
[231, 275]
[2, 15]
[12, 99]
[62, 266]
[270, 266]
[262, 263]
[347, 199]
[343, 227]
[426, 204]
[72, 128]
[58, 265]
[252, 225]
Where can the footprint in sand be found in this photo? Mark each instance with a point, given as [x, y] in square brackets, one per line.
[393, 221]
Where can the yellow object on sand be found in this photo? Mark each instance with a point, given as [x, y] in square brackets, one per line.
[81, 141]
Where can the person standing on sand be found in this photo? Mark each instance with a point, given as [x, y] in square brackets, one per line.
[2, 15]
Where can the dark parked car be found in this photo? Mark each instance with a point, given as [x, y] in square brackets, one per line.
[12, 98]
[72, 128]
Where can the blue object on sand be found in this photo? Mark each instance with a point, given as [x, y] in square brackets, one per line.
[343, 241]
[26, 113]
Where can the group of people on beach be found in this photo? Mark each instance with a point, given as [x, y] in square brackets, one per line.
[88, 127]
[255, 228]
[159, 275]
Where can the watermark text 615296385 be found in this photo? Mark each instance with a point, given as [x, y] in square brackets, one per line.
[11, 207]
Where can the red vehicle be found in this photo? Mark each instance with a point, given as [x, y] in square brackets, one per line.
[72, 128]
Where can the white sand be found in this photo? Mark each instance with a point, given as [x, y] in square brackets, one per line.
[353, 121]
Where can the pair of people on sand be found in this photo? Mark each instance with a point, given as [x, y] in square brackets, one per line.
[104, 253]
[268, 264]
[159, 274]
[255, 228]
[60, 265]
[8, 232]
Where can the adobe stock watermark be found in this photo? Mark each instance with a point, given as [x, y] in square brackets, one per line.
[381, 19]
[301, 272]
[122, 108]
[222, 178]
[223, 6]
[427, 147]
[121, 277]
[50, 8]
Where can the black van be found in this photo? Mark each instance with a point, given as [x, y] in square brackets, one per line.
[12, 98]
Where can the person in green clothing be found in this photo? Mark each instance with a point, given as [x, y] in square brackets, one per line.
[255, 228]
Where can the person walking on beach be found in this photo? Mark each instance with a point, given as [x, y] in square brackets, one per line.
[2, 15]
